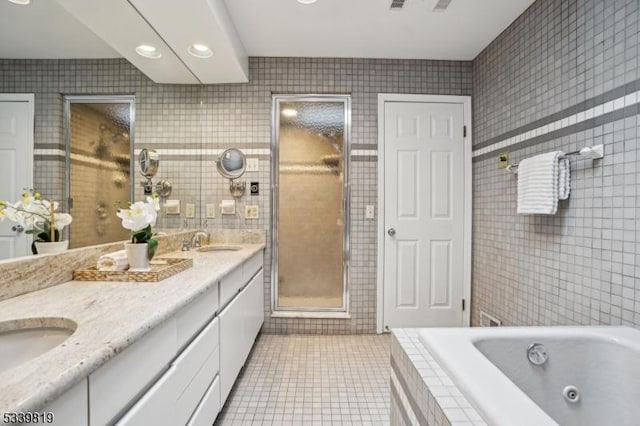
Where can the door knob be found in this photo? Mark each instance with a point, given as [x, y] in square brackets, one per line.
[391, 232]
[17, 228]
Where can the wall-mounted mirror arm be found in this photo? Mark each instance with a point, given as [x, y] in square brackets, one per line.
[149, 161]
[237, 189]
[232, 164]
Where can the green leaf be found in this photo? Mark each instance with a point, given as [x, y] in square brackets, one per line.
[152, 245]
[141, 236]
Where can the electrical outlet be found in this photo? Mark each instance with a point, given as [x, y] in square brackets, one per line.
[251, 212]
[172, 207]
[369, 212]
[211, 211]
[190, 211]
[253, 165]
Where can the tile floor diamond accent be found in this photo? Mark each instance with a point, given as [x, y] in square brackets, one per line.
[312, 380]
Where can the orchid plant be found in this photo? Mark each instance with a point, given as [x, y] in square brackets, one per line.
[139, 218]
[37, 216]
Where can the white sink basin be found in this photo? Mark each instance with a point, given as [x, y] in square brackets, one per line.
[25, 339]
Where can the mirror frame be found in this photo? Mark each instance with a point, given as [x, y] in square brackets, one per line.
[226, 173]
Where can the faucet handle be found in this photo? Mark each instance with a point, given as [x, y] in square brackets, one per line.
[185, 245]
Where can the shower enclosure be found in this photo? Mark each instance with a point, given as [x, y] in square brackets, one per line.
[310, 152]
[99, 134]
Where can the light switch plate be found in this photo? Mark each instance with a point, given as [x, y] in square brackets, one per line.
[369, 212]
[253, 165]
[251, 212]
[190, 211]
[211, 211]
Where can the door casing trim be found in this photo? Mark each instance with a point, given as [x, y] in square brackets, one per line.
[468, 143]
[30, 99]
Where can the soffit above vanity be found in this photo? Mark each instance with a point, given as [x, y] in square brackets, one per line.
[172, 28]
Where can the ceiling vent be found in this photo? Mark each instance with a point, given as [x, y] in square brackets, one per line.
[441, 5]
[397, 4]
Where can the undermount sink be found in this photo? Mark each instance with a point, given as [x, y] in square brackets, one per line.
[25, 339]
[218, 248]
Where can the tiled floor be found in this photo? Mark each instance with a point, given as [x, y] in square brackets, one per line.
[312, 380]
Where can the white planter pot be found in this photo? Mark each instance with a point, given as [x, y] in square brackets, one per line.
[138, 256]
[54, 247]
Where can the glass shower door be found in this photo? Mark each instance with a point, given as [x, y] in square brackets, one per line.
[311, 222]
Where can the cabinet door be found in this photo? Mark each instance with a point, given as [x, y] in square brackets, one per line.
[240, 322]
[124, 378]
[156, 405]
[71, 408]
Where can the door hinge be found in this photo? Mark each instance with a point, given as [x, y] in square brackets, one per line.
[463, 304]
[464, 131]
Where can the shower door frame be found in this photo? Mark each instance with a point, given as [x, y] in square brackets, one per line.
[311, 312]
[97, 99]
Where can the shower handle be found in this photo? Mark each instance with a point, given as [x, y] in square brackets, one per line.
[391, 232]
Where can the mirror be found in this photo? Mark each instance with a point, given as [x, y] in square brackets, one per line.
[99, 147]
[148, 160]
[232, 163]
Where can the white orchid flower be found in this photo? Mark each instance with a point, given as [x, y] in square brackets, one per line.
[154, 200]
[62, 220]
[138, 216]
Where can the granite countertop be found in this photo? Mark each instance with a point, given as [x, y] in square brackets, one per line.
[110, 316]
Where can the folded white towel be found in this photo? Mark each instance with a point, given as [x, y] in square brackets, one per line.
[564, 179]
[538, 179]
[116, 261]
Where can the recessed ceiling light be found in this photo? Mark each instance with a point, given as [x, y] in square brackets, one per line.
[21, 2]
[289, 112]
[200, 50]
[307, 1]
[148, 51]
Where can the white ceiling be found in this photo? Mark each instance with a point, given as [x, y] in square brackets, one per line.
[327, 28]
[369, 29]
[44, 30]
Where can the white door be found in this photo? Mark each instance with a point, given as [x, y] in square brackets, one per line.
[16, 165]
[424, 214]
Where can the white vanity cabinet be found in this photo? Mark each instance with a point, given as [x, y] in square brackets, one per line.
[181, 371]
[240, 322]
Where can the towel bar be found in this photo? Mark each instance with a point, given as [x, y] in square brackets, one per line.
[588, 152]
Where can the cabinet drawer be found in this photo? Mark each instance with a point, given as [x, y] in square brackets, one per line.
[209, 407]
[191, 396]
[191, 361]
[230, 285]
[251, 266]
[193, 316]
[156, 405]
[121, 380]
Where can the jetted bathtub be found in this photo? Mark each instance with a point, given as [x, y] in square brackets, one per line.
[543, 375]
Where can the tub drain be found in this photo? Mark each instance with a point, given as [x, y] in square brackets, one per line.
[571, 394]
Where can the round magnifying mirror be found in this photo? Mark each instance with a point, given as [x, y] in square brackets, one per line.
[148, 162]
[232, 163]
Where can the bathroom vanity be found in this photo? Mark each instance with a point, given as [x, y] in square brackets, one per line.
[165, 353]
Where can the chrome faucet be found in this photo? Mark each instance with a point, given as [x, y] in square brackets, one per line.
[199, 238]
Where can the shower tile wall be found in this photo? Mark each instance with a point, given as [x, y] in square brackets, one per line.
[240, 115]
[187, 118]
[580, 266]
